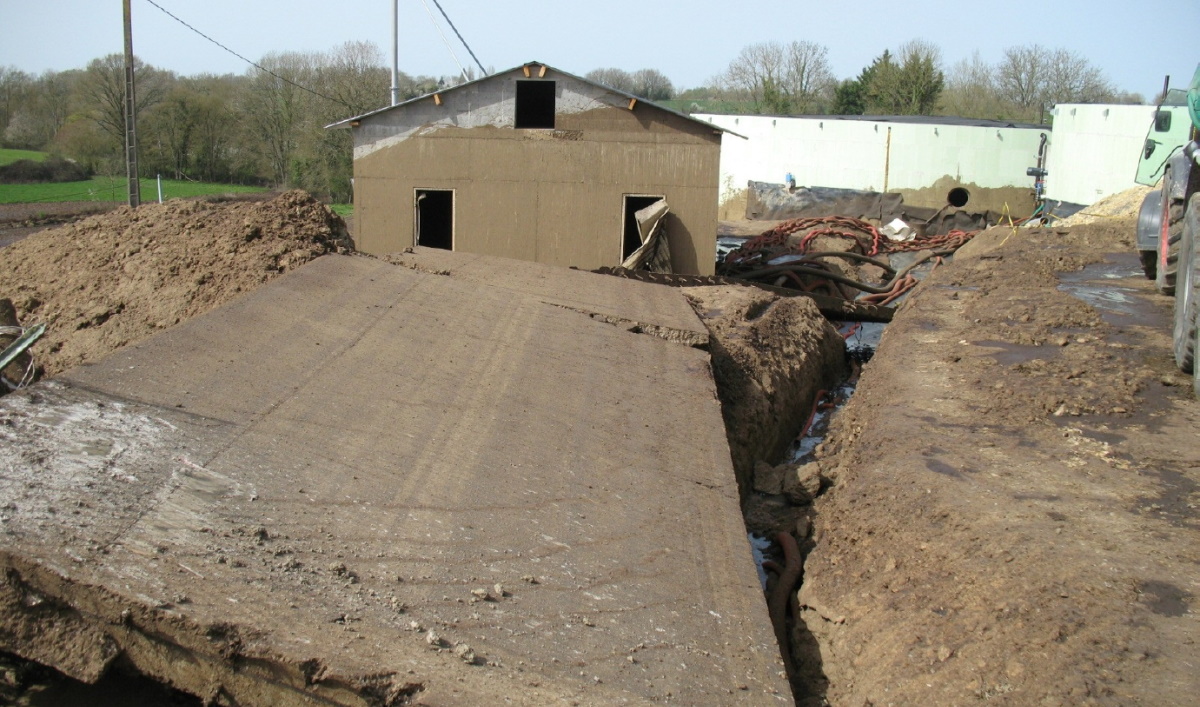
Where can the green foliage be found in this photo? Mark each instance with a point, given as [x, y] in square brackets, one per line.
[112, 189]
[343, 210]
[909, 83]
[775, 101]
[910, 86]
[10, 156]
[849, 98]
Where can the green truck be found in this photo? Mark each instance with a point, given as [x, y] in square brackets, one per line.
[1168, 229]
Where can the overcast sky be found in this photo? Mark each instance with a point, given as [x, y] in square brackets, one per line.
[1134, 43]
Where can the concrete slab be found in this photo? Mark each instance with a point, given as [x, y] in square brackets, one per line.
[670, 317]
[310, 496]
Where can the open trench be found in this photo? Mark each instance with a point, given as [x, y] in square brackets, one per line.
[780, 515]
[779, 494]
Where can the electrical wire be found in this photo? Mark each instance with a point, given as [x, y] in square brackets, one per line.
[256, 64]
[459, 35]
[445, 41]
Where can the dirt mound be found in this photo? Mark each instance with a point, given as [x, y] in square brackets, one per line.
[770, 356]
[1012, 514]
[1120, 205]
[114, 279]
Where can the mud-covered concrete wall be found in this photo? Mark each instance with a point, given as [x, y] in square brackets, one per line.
[553, 196]
[921, 160]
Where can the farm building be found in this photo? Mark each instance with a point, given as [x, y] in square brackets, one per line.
[536, 164]
[923, 158]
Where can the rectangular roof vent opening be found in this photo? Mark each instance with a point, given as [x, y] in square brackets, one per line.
[535, 104]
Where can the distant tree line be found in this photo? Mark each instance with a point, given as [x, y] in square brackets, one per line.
[796, 79]
[650, 84]
[255, 128]
[268, 127]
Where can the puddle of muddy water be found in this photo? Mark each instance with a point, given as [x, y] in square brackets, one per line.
[1011, 354]
[757, 545]
[1098, 285]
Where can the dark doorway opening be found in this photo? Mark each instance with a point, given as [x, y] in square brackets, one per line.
[535, 104]
[631, 240]
[435, 218]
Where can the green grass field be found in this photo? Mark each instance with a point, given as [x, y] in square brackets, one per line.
[10, 156]
[111, 189]
[342, 210]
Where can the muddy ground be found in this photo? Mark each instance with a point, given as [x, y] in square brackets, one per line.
[1011, 504]
[1007, 504]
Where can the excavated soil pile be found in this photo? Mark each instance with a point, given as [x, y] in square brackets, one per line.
[111, 280]
[1114, 206]
[1013, 517]
[770, 356]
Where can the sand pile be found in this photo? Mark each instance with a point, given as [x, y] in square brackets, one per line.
[114, 279]
[1123, 204]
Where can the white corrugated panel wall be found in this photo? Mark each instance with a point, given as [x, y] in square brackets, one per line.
[854, 154]
[1095, 151]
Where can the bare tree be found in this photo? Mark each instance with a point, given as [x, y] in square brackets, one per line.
[808, 78]
[652, 85]
[613, 78]
[1070, 78]
[971, 90]
[355, 75]
[758, 72]
[44, 110]
[274, 105]
[1021, 76]
[15, 88]
[782, 78]
[104, 91]
[1033, 76]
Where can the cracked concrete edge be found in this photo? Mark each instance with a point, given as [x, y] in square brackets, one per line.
[694, 339]
[81, 630]
[570, 288]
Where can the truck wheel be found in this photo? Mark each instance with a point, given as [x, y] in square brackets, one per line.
[1149, 228]
[1168, 260]
[1186, 304]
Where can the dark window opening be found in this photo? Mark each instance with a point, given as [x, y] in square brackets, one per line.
[535, 104]
[631, 240]
[435, 218]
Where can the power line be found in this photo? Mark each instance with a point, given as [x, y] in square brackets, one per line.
[444, 40]
[459, 35]
[263, 68]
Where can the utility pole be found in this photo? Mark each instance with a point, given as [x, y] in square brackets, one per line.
[395, 52]
[131, 168]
